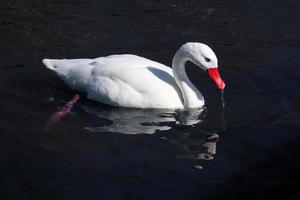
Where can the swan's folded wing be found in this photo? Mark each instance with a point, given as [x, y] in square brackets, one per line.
[115, 92]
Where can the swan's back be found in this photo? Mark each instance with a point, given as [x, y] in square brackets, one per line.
[120, 80]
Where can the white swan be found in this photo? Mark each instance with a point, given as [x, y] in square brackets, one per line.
[133, 81]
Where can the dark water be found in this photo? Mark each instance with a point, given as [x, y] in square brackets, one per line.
[100, 152]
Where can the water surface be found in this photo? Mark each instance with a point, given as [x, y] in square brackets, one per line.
[247, 149]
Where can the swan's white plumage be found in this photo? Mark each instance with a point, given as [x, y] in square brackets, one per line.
[133, 81]
[121, 80]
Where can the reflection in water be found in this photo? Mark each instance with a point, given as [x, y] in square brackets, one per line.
[222, 114]
[190, 145]
[190, 116]
[200, 146]
[62, 112]
[222, 98]
[143, 121]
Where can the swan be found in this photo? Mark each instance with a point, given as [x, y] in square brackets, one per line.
[127, 80]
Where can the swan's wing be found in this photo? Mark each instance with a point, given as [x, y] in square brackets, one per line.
[113, 91]
[74, 72]
[62, 66]
[132, 81]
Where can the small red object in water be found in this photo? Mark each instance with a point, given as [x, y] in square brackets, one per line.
[58, 115]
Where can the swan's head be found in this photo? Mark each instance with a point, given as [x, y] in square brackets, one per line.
[203, 56]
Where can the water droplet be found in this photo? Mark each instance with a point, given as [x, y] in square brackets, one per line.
[222, 98]
[222, 114]
[198, 167]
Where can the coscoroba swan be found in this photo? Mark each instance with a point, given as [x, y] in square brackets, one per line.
[132, 81]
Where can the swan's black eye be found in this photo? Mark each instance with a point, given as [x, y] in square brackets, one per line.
[207, 59]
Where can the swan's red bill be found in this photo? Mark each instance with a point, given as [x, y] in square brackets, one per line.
[215, 76]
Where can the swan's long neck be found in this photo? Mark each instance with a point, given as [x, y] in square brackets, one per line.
[191, 96]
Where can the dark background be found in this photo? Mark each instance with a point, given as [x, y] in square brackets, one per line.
[257, 44]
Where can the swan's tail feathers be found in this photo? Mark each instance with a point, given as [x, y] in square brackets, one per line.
[49, 64]
[56, 66]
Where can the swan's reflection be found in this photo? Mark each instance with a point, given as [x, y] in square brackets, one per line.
[201, 146]
[190, 144]
[143, 121]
